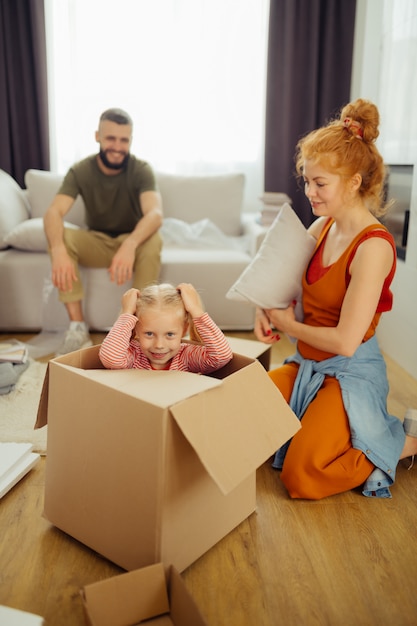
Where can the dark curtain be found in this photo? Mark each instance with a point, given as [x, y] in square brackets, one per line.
[308, 80]
[24, 140]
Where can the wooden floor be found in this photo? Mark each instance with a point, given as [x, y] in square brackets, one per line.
[345, 560]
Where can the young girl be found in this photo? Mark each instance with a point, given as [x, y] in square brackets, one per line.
[336, 382]
[148, 333]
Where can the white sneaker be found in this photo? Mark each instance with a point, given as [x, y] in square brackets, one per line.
[410, 422]
[76, 337]
[410, 428]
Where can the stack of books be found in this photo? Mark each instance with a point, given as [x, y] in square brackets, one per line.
[13, 352]
[272, 202]
[15, 617]
[16, 459]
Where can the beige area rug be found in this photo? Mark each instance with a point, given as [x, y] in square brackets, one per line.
[18, 409]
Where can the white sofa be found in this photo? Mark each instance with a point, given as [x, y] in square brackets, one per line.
[30, 303]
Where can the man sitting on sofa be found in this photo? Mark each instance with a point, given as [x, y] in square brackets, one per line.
[123, 214]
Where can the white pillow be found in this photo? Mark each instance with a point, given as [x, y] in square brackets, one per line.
[13, 208]
[30, 235]
[41, 188]
[201, 234]
[273, 277]
[194, 198]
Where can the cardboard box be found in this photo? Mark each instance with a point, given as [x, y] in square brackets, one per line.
[152, 595]
[253, 349]
[146, 467]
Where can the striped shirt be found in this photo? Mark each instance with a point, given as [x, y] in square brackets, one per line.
[120, 351]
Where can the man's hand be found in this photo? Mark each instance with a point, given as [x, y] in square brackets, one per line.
[121, 268]
[63, 270]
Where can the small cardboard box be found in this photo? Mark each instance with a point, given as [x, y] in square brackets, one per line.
[152, 595]
[146, 467]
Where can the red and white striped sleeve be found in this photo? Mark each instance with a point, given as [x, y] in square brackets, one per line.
[213, 354]
[116, 351]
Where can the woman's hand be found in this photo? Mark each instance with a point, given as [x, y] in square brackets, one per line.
[282, 319]
[263, 331]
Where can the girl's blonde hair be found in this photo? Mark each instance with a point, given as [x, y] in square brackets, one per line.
[162, 296]
[347, 147]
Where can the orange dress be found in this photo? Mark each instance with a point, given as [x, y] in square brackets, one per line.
[320, 460]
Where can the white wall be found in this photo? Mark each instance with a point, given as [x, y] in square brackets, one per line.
[397, 332]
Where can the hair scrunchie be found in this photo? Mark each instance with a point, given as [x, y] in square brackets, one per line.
[354, 127]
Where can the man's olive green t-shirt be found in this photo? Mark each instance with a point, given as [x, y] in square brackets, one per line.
[112, 203]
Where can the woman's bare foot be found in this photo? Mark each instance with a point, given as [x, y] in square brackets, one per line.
[410, 428]
[410, 447]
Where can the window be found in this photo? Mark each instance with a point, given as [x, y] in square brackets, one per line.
[398, 81]
[397, 100]
[191, 73]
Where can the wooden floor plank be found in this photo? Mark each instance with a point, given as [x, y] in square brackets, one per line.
[345, 560]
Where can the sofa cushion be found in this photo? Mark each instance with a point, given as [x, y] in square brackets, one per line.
[13, 207]
[201, 234]
[273, 278]
[194, 198]
[187, 198]
[41, 188]
[30, 235]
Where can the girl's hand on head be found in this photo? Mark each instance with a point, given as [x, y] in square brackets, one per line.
[263, 331]
[191, 299]
[130, 301]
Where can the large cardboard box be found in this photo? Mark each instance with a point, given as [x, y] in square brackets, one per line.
[253, 349]
[153, 595]
[146, 467]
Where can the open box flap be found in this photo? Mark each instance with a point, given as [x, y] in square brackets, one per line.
[87, 358]
[184, 610]
[127, 598]
[162, 388]
[237, 427]
[42, 414]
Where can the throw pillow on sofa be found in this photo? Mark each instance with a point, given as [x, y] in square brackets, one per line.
[41, 188]
[13, 208]
[187, 198]
[194, 198]
[30, 235]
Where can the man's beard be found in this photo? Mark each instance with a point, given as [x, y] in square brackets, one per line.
[112, 166]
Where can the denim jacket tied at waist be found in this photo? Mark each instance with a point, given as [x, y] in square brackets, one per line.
[364, 385]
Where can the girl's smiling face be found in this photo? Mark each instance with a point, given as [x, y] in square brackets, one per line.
[160, 333]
